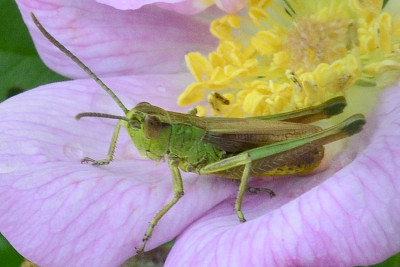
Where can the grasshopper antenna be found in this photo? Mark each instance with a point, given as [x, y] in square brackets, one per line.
[79, 63]
[133, 123]
[101, 115]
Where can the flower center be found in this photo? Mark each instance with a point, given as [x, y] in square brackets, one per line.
[310, 42]
[284, 55]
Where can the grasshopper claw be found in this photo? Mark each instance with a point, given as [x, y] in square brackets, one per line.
[139, 250]
[255, 190]
[87, 160]
[95, 162]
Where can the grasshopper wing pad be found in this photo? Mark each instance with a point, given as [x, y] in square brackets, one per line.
[237, 135]
[301, 160]
[300, 155]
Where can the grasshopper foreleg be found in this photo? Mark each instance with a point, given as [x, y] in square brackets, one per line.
[111, 149]
[178, 193]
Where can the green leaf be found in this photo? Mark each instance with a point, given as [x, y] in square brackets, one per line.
[384, 3]
[20, 66]
[8, 255]
[393, 261]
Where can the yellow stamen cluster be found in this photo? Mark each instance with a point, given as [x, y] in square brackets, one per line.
[284, 55]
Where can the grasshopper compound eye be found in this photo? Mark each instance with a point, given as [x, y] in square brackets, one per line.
[152, 126]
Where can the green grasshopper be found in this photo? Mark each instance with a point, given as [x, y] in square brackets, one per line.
[234, 148]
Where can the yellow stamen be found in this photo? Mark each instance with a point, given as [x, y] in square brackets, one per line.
[292, 54]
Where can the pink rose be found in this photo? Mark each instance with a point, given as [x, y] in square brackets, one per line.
[56, 211]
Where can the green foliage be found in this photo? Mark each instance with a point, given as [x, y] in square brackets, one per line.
[20, 66]
[8, 256]
[384, 3]
[393, 261]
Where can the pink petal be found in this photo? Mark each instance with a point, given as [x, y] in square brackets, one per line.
[181, 6]
[341, 217]
[58, 212]
[196, 6]
[114, 42]
[134, 4]
[188, 7]
[230, 6]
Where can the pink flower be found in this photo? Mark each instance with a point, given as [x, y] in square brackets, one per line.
[56, 211]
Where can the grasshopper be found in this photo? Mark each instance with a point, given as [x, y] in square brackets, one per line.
[235, 148]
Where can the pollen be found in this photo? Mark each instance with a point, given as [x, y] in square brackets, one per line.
[284, 55]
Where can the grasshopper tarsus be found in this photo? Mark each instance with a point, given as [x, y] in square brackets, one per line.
[87, 160]
[139, 250]
[255, 190]
[95, 162]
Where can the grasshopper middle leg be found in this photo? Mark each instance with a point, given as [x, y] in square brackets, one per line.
[178, 193]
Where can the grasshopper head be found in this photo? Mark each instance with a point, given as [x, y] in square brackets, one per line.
[151, 119]
[149, 128]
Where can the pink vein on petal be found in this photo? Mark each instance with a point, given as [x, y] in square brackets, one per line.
[114, 42]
